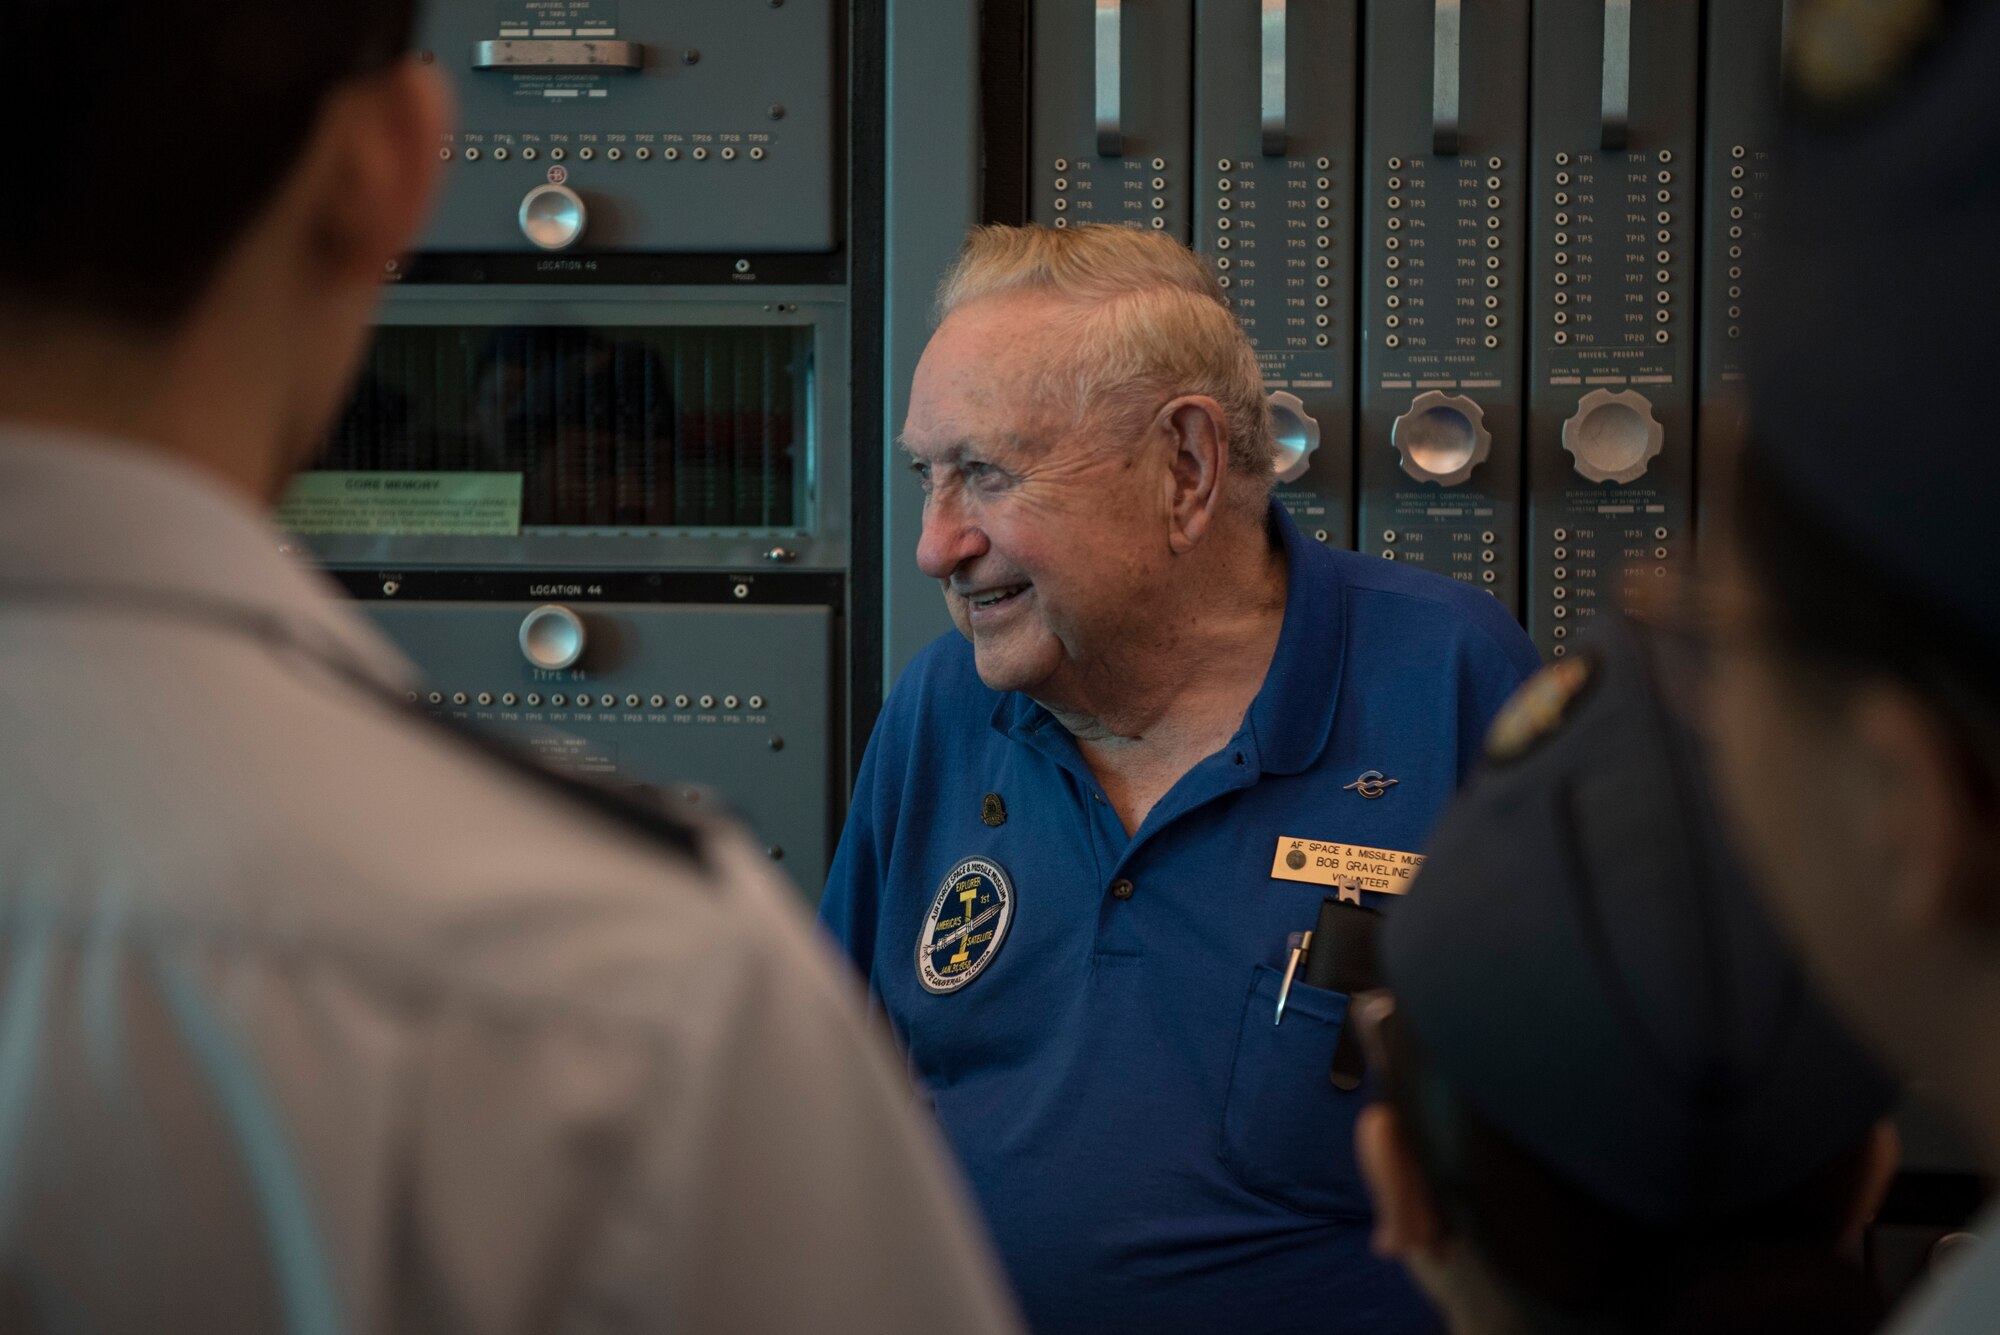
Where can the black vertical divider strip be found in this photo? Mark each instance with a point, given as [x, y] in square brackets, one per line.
[582, 372]
[1697, 294]
[441, 448]
[482, 447]
[573, 480]
[1357, 260]
[397, 385]
[867, 137]
[713, 412]
[729, 424]
[686, 502]
[766, 457]
[743, 426]
[1003, 110]
[628, 466]
[751, 411]
[795, 377]
[651, 439]
[602, 417]
[377, 401]
[534, 435]
[445, 438]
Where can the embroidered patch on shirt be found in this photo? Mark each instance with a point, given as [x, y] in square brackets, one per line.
[1351, 867]
[968, 921]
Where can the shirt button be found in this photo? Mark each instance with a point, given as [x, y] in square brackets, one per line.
[1121, 889]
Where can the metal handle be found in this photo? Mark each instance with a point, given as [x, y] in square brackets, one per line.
[1274, 116]
[600, 56]
[1617, 73]
[1445, 54]
[1110, 81]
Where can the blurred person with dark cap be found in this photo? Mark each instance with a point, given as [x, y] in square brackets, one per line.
[1612, 1104]
[315, 1017]
[1857, 705]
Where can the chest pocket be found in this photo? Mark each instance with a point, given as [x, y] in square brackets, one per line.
[1287, 1132]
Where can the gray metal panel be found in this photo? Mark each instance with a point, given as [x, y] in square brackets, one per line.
[1615, 236]
[1280, 227]
[1445, 294]
[784, 655]
[933, 187]
[823, 544]
[721, 141]
[1745, 71]
[1073, 180]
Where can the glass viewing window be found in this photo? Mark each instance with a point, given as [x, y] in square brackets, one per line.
[607, 426]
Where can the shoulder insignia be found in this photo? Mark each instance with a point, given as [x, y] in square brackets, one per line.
[966, 925]
[1538, 708]
[1843, 55]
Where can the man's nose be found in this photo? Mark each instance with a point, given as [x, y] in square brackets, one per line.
[949, 538]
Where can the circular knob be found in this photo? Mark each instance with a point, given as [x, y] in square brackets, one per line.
[1442, 438]
[553, 217]
[1297, 435]
[552, 637]
[1613, 436]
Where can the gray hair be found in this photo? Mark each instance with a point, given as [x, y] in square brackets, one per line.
[1146, 319]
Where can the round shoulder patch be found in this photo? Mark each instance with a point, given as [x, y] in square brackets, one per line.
[1538, 708]
[968, 921]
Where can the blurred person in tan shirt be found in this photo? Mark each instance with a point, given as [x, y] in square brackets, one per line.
[314, 1017]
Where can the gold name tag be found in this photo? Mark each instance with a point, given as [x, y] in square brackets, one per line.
[1348, 867]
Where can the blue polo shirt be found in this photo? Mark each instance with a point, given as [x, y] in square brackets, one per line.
[1151, 1152]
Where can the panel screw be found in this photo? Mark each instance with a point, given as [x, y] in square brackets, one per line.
[690, 57]
[777, 743]
[777, 111]
[773, 852]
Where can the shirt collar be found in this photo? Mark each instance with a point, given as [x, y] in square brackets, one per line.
[90, 513]
[1292, 717]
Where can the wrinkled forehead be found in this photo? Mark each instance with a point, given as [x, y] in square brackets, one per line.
[988, 371]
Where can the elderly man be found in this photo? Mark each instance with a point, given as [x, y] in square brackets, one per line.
[1858, 711]
[1091, 822]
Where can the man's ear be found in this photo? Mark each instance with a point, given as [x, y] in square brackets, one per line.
[1929, 818]
[379, 166]
[1406, 1221]
[1198, 471]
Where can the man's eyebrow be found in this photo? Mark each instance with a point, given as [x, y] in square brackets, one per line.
[948, 453]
